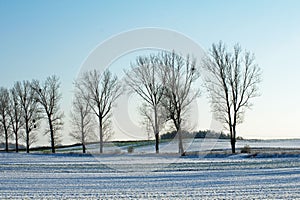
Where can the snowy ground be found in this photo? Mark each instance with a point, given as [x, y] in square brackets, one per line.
[193, 145]
[123, 176]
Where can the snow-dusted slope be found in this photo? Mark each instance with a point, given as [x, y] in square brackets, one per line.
[191, 145]
[66, 176]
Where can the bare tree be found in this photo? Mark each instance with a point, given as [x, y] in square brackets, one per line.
[144, 79]
[4, 114]
[82, 120]
[49, 96]
[232, 82]
[101, 91]
[15, 115]
[30, 110]
[178, 76]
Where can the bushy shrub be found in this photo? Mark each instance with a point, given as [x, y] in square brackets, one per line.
[246, 149]
[117, 151]
[130, 149]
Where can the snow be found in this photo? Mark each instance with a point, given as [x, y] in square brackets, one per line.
[147, 176]
[200, 145]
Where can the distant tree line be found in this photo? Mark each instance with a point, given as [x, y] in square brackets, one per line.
[199, 134]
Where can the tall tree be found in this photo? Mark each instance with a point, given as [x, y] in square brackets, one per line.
[30, 110]
[49, 96]
[179, 74]
[101, 91]
[144, 79]
[15, 115]
[4, 114]
[232, 82]
[82, 121]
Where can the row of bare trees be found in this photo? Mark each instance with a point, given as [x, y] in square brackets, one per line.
[165, 82]
[25, 105]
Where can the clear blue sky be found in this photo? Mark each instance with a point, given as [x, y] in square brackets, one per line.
[40, 38]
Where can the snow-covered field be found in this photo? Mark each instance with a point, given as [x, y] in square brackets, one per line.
[196, 145]
[147, 176]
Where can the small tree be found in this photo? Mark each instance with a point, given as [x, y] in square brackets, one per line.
[232, 82]
[100, 91]
[4, 114]
[144, 79]
[82, 120]
[178, 76]
[30, 110]
[48, 96]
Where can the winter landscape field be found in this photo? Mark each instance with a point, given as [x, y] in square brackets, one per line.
[149, 176]
[149, 99]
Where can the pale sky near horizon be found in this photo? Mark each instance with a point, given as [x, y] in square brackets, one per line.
[40, 38]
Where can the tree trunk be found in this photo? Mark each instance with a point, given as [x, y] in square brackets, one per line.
[27, 141]
[83, 148]
[180, 143]
[101, 135]
[157, 143]
[51, 135]
[156, 130]
[233, 139]
[52, 141]
[6, 139]
[27, 136]
[232, 136]
[17, 144]
[82, 136]
[232, 145]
